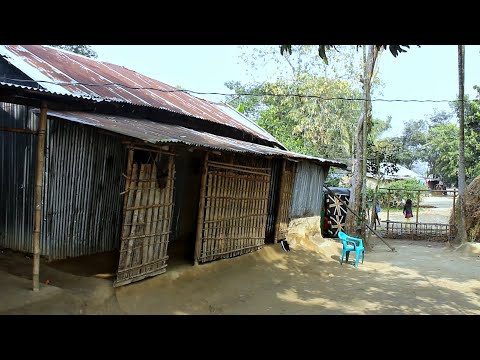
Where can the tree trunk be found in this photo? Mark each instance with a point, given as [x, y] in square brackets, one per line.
[358, 190]
[461, 230]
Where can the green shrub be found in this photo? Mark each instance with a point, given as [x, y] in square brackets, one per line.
[401, 190]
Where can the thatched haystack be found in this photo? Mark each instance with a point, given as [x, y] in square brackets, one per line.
[472, 210]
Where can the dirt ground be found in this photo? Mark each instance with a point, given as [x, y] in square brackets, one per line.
[420, 278]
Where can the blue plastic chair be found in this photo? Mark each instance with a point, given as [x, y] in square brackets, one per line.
[351, 243]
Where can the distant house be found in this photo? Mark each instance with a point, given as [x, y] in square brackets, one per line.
[402, 173]
[133, 164]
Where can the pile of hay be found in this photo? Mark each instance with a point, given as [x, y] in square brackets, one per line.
[472, 210]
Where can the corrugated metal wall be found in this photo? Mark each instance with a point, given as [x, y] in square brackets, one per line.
[17, 175]
[83, 182]
[307, 191]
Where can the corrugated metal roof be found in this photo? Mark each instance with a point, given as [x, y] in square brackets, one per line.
[5, 84]
[44, 63]
[155, 133]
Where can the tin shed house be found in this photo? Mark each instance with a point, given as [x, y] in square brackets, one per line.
[137, 166]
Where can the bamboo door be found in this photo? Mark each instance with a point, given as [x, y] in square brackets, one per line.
[233, 213]
[284, 200]
[148, 206]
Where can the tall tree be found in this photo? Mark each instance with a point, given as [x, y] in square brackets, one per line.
[357, 201]
[85, 50]
[308, 125]
[461, 230]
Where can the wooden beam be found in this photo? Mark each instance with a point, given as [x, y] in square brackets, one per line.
[37, 219]
[21, 131]
[278, 202]
[201, 208]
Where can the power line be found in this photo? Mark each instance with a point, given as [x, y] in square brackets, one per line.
[75, 83]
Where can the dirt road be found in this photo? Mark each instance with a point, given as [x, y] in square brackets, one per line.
[421, 278]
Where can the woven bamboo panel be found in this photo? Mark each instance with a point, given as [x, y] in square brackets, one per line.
[235, 213]
[285, 198]
[147, 217]
[419, 231]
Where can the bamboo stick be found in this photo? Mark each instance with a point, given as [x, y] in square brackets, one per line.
[155, 150]
[245, 248]
[246, 214]
[148, 242]
[253, 210]
[213, 216]
[138, 198]
[388, 206]
[233, 166]
[239, 208]
[254, 220]
[128, 180]
[20, 131]
[222, 202]
[454, 196]
[37, 218]
[140, 227]
[170, 184]
[136, 267]
[234, 223]
[239, 172]
[127, 222]
[264, 209]
[208, 215]
[156, 219]
[278, 203]
[418, 205]
[201, 208]
[162, 214]
[242, 170]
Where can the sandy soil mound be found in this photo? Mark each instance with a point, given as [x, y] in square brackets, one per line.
[305, 232]
[469, 249]
[472, 210]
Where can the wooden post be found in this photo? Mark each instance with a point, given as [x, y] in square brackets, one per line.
[37, 219]
[454, 195]
[279, 200]
[388, 205]
[128, 179]
[418, 205]
[201, 205]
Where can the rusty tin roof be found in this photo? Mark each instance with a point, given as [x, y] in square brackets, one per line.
[156, 133]
[63, 72]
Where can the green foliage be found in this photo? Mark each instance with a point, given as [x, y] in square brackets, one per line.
[402, 190]
[441, 147]
[85, 50]
[382, 154]
[307, 125]
[322, 49]
[332, 180]
[442, 144]
[413, 140]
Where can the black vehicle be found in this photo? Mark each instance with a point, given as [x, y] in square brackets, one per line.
[334, 211]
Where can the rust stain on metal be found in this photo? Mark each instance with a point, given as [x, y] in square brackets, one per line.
[62, 66]
[155, 133]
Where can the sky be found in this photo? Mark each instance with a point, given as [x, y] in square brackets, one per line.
[426, 72]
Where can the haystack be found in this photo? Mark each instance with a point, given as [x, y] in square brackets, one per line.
[472, 210]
